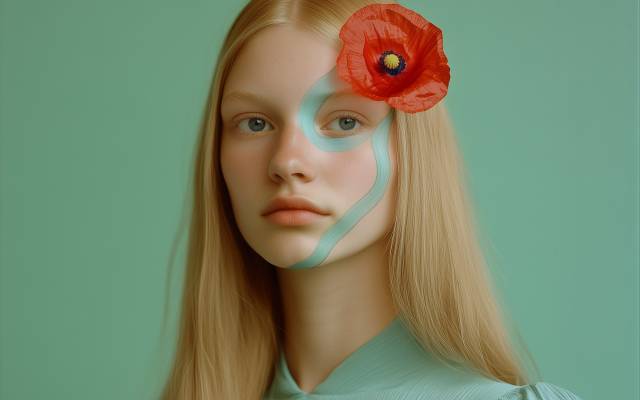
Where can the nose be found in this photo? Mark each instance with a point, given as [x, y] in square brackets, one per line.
[292, 156]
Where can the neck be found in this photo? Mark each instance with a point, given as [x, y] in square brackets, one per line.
[331, 310]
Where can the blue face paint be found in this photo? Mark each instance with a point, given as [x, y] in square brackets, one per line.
[311, 103]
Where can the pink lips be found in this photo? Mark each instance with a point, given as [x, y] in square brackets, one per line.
[293, 217]
[293, 211]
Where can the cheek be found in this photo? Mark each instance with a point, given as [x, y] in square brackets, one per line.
[236, 171]
[352, 173]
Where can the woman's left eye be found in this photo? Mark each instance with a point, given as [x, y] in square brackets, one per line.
[344, 123]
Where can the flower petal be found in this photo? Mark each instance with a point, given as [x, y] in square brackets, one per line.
[429, 89]
[377, 28]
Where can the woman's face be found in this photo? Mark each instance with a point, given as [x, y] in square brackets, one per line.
[291, 128]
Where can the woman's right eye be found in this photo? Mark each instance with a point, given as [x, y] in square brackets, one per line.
[253, 124]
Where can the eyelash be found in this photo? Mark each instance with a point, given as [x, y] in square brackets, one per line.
[342, 115]
[350, 116]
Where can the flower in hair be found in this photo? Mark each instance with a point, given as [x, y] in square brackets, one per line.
[392, 53]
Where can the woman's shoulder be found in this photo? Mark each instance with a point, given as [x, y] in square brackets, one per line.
[480, 387]
[538, 391]
[495, 391]
[446, 381]
[487, 389]
[478, 390]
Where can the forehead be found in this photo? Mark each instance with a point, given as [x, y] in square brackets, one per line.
[281, 60]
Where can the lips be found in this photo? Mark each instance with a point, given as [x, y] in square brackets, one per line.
[293, 203]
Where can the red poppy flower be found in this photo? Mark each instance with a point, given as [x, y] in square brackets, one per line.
[392, 53]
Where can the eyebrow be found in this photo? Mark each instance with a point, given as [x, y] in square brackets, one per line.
[343, 92]
[256, 98]
[238, 95]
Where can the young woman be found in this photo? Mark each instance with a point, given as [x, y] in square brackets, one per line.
[331, 246]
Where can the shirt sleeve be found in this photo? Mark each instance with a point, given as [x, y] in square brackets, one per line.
[539, 391]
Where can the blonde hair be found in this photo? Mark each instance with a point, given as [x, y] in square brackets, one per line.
[228, 333]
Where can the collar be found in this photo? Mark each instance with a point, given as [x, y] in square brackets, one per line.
[386, 361]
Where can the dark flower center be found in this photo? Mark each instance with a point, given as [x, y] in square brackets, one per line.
[392, 63]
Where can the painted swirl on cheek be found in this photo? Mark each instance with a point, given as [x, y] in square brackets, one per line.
[311, 103]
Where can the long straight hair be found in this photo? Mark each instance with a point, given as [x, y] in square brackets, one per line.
[230, 316]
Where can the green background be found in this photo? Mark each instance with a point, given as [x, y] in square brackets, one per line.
[99, 107]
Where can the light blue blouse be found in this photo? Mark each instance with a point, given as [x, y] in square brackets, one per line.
[393, 366]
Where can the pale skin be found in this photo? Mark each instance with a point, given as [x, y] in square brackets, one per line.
[335, 307]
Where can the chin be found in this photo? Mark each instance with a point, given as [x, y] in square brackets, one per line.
[286, 251]
[284, 261]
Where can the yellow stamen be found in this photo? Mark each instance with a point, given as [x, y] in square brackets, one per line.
[391, 61]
